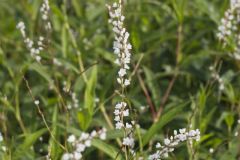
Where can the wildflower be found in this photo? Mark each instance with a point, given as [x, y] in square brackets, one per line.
[36, 102]
[102, 134]
[126, 82]
[80, 144]
[119, 125]
[167, 141]
[80, 147]
[117, 118]
[67, 156]
[236, 134]
[88, 143]
[228, 29]
[128, 141]
[121, 45]
[158, 145]
[36, 48]
[71, 139]
[121, 48]
[21, 27]
[173, 141]
[77, 155]
[1, 137]
[45, 9]
[211, 150]
[126, 113]
[128, 126]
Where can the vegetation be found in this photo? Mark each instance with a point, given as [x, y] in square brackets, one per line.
[61, 90]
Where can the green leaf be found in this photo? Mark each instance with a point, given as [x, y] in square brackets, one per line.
[165, 118]
[89, 96]
[152, 85]
[108, 149]
[64, 40]
[179, 8]
[29, 140]
[229, 119]
[84, 119]
[41, 71]
[55, 149]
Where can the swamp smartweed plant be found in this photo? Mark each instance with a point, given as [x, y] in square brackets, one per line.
[122, 49]
[84, 141]
[229, 31]
[216, 77]
[171, 142]
[35, 48]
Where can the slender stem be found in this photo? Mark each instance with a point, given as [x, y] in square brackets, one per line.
[136, 66]
[74, 41]
[18, 114]
[109, 122]
[42, 115]
[166, 96]
[147, 95]
[173, 80]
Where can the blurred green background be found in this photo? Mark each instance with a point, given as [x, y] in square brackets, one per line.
[81, 35]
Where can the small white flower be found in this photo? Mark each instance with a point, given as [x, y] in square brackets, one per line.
[128, 141]
[1, 137]
[167, 141]
[71, 139]
[236, 134]
[93, 133]
[117, 118]
[103, 136]
[4, 148]
[77, 156]
[158, 145]
[182, 131]
[126, 82]
[211, 150]
[128, 126]
[118, 106]
[36, 102]
[126, 113]
[88, 143]
[38, 58]
[116, 112]
[80, 147]
[122, 72]
[84, 136]
[67, 156]
[119, 125]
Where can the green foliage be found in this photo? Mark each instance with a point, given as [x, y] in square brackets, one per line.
[81, 40]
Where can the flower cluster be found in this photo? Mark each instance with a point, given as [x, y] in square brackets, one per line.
[45, 9]
[33, 48]
[228, 30]
[73, 95]
[122, 49]
[215, 75]
[173, 141]
[74, 99]
[83, 142]
[228, 26]
[121, 45]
